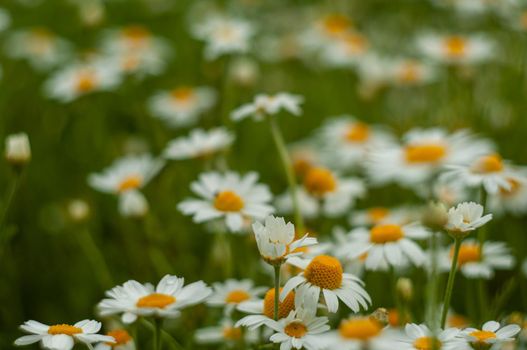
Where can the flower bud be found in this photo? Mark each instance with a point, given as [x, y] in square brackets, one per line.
[380, 315]
[435, 216]
[133, 204]
[78, 210]
[405, 288]
[17, 149]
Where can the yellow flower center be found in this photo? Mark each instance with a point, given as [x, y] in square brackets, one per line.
[358, 132]
[157, 300]
[284, 307]
[377, 214]
[469, 252]
[426, 343]
[295, 329]
[86, 81]
[121, 337]
[324, 271]
[424, 153]
[488, 164]
[301, 166]
[355, 43]
[319, 181]
[182, 94]
[136, 35]
[228, 201]
[360, 328]
[458, 321]
[409, 72]
[64, 329]
[455, 46]
[130, 183]
[232, 333]
[381, 234]
[483, 336]
[336, 24]
[237, 296]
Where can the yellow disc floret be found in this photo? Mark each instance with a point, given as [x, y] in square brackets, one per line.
[64, 329]
[130, 183]
[362, 328]
[358, 132]
[426, 343]
[295, 329]
[237, 296]
[424, 153]
[483, 336]
[324, 271]
[228, 201]
[468, 252]
[386, 233]
[121, 337]
[284, 307]
[455, 46]
[320, 181]
[488, 164]
[156, 300]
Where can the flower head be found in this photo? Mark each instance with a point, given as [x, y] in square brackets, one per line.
[265, 105]
[466, 217]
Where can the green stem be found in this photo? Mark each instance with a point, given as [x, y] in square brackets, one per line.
[96, 258]
[276, 290]
[450, 284]
[7, 204]
[482, 299]
[290, 175]
[157, 333]
[432, 291]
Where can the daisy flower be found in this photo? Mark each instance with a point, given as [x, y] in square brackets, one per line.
[276, 240]
[17, 149]
[224, 36]
[133, 204]
[465, 217]
[355, 333]
[457, 49]
[62, 336]
[182, 106]
[225, 333]
[199, 144]
[122, 341]
[422, 155]
[345, 51]
[477, 262]
[347, 141]
[420, 337]
[264, 105]
[513, 199]
[326, 31]
[78, 79]
[387, 244]
[233, 292]
[488, 171]
[5, 20]
[39, 46]
[230, 196]
[263, 310]
[379, 215]
[411, 72]
[133, 299]
[491, 333]
[323, 275]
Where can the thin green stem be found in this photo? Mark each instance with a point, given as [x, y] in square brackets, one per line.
[276, 290]
[96, 258]
[7, 204]
[288, 168]
[157, 333]
[450, 284]
[433, 282]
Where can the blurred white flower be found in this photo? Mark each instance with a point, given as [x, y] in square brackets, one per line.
[355, 333]
[199, 144]
[225, 333]
[133, 204]
[513, 199]
[491, 333]
[17, 149]
[265, 105]
[232, 293]
[465, 217]
[458, 49]
[409, 72]
[419, 337]
[263, 310]
[123, 341]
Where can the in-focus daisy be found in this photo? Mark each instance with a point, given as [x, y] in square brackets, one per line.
[182, 106]
[513, 199]
[276, 240]
[39, 46]
[264, 105]
[225, 333]
[230, 196]
[233, 292]
[123, 341]
[323, 275]
[199, 144]
[420, 337]
[224, 36]
[387, 244]
[461, 49]
[491, 333]
[488, 171]
[263, 310]
[465, 217]
[62, 336]
[78, 79]
[422, 154]
[477, 262]
[355, 333]
[133, 299]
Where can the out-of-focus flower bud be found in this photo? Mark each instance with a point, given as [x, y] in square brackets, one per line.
[380, 315]
[435, 216]
[405, 288]
[78, 210]
[133, 204]
[17, 149]
[244, 71]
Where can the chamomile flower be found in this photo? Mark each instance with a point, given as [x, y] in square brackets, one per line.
[228, 196]
[325, 31]
[491, 333]
[225, 333]
[78, 79]
[5, 20]
[456, 49]
[411, 72]
[276, 240]
[133, 203]
[263, 310]
[224, 36]
[346, 51]
[264, 105]
[355, 332]
[347, 141]
[475, 261]
[126, 174]
[420, 337]
[39, 46]
[387, 244]
[422, 155]
[513, 199]
[465, 217]
[199, 144]
[182, 106]
[233, 292]
[379, 215]
[324, 275]
[62, 336]
[123, 341]
[133, 299]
